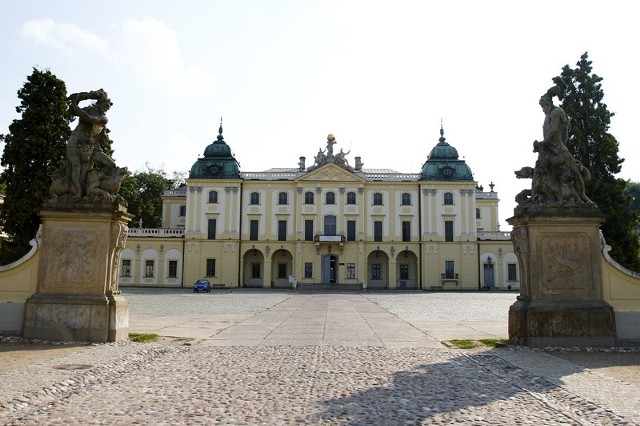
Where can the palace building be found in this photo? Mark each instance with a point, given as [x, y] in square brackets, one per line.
[330, 223]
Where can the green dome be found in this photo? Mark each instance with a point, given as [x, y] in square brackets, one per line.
[443, 164]
[218, 162]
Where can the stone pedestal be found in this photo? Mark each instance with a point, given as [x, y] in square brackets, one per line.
[77, 298]
[561, 301]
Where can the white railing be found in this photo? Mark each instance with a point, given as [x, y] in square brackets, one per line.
[155, 232]
[494, 236]
[269, 175]
[175, 193]
[486, 195]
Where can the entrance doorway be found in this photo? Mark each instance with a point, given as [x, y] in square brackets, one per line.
[329, 269]
[488, 275]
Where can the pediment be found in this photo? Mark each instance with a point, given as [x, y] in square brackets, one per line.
[331, 172]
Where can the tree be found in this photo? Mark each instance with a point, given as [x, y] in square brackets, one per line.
[591, 143]
[143, 192]
[633, 191]
[34, 148]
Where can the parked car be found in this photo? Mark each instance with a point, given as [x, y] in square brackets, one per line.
[202, 285]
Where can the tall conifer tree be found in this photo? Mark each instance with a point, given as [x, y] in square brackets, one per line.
[34, 147]
[597, 149]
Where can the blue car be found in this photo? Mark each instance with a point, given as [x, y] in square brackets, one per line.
[202, 285]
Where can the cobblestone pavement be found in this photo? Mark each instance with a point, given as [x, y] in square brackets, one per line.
[317, 379]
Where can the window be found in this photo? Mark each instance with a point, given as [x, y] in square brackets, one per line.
[351, 197]
[213, 196]
[404, 272]
[255, 270]
[351, 271]
[512, 274]
[406, 231]
[377, 199]
[478, 214]
[376, 271]
[211, 229]
[211, 267]
[173, 268]
[351, 230]
[406, 199]
[330, 198]
[448, 230]
[308, 270]
[449, 271]
[329, 225]
[148, 268]
[448, 198]
[377, 230]
[126, 267]
[309, 197]
[283, 198]
[253, 230]
[282, 230]
[183, 211]
[282, 270]
[255, 198]
[308, 230]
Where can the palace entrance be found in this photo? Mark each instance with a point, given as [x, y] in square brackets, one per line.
[329, 269]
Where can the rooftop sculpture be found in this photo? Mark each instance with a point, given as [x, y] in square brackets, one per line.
[327, 156]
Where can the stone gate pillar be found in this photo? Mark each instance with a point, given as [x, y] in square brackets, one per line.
[77, 298]
[561, 301]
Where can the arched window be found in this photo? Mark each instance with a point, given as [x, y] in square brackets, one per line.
[406, 199]
[183, 211]
[309, 197]
[351, 197]
[255, 198]
[283, 198]
[448, 198]
[330, 198]
[213, 196]
[377, 199]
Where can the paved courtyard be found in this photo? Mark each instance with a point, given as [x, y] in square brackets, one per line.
[284, 357]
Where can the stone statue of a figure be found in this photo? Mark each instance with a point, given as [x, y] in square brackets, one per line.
[557, 178]
[87, 170]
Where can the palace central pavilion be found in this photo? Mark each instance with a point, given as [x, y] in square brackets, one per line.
[331, 223]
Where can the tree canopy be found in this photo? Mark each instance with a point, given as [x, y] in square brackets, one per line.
[591, 143]
[143, 192]
[34, 148]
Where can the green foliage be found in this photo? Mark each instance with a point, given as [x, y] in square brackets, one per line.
[633, 191]
[34, 147]
[597, 149]
[495, 343]
[143, 192]
[143, 337]
[463, 343]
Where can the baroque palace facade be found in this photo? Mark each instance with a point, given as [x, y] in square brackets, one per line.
[331, 223]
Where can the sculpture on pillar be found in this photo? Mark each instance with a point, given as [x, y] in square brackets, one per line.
[558, 179]
[87, 171]
[327, 156]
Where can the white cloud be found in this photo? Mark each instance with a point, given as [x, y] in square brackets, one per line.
[153, 53]
[147, 49]
[66, 37]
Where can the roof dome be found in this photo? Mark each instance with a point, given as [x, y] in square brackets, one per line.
[218, 162]
[443, 164]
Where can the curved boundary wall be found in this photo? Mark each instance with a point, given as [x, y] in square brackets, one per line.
[18, 282]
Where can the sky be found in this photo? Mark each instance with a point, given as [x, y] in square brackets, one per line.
[382, 76]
